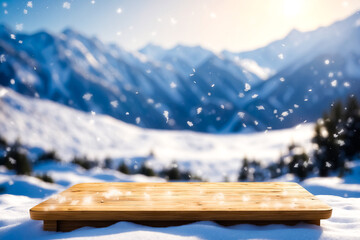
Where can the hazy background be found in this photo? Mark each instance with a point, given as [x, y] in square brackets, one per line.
[217, 25]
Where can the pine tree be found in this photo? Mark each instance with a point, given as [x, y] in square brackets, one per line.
[146, 170]
[244, 171]
[84, 162]
[45, 177]
[173, 172]
[352, 128]
[328, 137]
[108, 162]
[3, 142]
[49, 156]
[257, 171]
[17, 160]
[123, 168]
[300, 165]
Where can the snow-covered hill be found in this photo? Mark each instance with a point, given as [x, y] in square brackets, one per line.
[290, 81]
[44, 124]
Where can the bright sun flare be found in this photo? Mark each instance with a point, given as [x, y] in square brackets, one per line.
[292, 8]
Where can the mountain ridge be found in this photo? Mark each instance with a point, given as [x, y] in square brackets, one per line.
[188, 87]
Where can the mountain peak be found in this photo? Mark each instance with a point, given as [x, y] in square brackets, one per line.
[70, 32]
[294, 33]
[151, 46]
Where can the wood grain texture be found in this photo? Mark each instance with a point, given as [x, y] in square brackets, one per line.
[273, 201]
[50, 225]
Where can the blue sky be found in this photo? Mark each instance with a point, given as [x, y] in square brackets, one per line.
[234, 25]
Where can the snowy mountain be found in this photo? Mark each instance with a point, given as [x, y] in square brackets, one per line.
[280, 85]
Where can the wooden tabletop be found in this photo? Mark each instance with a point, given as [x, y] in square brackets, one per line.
[182, 201]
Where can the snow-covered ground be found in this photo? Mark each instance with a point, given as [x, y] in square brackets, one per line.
[22, 193]
[44, 124]
[48, 125]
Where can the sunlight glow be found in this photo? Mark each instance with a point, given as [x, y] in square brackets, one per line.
[292, 8]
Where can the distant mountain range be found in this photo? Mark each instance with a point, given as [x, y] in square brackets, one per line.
[285, 83]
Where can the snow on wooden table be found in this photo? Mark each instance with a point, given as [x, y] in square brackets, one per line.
[166, 204]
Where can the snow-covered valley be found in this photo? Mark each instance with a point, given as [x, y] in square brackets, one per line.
[48, 125]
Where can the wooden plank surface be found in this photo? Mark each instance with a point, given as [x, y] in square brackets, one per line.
[182, 202]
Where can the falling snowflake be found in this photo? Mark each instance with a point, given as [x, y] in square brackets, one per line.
[114, 103]
[29, 4]
[92, 1]
[119, 10]
[261, 107]
[87, 200]
[254, 96]
[256, 123]
[346, 84]
[12, 36]
[247, 87]
[112, 193]
[74, 202]
[213, 85]
[25, 11]
[87, 96]
[173, 85]
[281, 56]
[66, 5]
[137, 120]
[296, 106]
[241, 114]
[222, 106]
[190, 123]
[19, 27]
[327, 61]
[198, 110]
[2, 58]
[282, 79]
[166, 115]
[334, 83]
[12, 81]
[245, 198]
[285, 113]
[147, 196]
